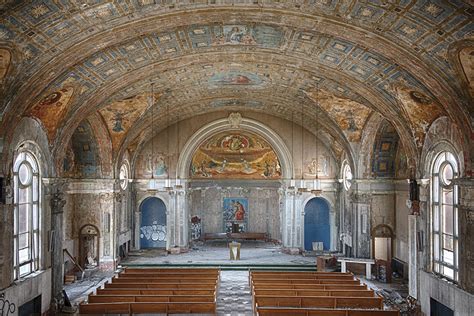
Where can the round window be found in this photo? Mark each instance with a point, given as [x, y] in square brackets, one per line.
[25, 174]
[446, 173]
[347, 177]
[123, 177]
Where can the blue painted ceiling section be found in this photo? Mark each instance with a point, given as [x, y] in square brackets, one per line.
[86, 152]
[385, 151]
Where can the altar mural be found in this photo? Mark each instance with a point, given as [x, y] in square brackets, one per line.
[235, 155]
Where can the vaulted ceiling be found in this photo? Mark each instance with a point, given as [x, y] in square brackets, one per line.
[337, 61]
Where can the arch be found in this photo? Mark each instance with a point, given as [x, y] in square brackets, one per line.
[240, 123]
[153, 223]
[382, 248]
[317, 223]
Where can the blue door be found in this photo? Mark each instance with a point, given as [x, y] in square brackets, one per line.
[153, 223]
[316, 223]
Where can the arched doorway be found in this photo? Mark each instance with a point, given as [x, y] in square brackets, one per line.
[153, 223]
[316, 224]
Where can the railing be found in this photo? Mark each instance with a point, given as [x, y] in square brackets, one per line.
[5, 306]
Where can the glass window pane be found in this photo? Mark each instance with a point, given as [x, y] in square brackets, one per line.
[436, 267]
[23, 240]
[448, 257]
[447, 174]
[35, 216]
[15, 220]
[448, 219]
[23, 218]
[436, 218]
[448, 197]
[435, 189]
[455, 213]
[448, 242]
[15, 246]
[24, 254]
[436, 246]
[23, 195]
[35, 188]
[15, 190]
[32, 162]
[448, 272]
[25, 269]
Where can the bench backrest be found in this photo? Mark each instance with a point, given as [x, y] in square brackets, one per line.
[155, 292]
[313, 286]
[305, 281]
[320, 302]
[160, 285]
[150, 298]
[141, 308]
[270, 311]
[311, 292]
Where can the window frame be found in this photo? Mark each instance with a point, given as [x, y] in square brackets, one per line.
[346, 181]
[445, 203]
[26, 204]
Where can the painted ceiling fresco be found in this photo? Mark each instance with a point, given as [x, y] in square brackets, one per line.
[5, 59]
[385, 151]
[85, 153]
[52, 109]
[349, 115]
[234, 54]
[466, 58]
[421, 110]
[235, 155]
[119, 116]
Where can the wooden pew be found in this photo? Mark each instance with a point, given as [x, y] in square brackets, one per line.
[170, 270]
[160, 285]
[318, 302]
[165, 277]
[311, 292]
[155, 292]
[147, 308]
[150, 298]
[168, 280]
[303, 276]
[288, 311]
[306, 281]
[313, 286]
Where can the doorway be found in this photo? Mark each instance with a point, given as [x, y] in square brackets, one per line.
[89, 246]
[153, 229]
[317, 228]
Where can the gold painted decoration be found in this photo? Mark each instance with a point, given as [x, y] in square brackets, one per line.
[119, 116]
[5, 61]
[235, 155]
[52, 109]
[421, 111]
[348, 114]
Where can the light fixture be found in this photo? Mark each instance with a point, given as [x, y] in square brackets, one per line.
[151, 103]
[292, 181]
[168, 186]
[316, 183]
[302, 187]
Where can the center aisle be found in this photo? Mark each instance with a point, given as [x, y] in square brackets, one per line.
[233, 297]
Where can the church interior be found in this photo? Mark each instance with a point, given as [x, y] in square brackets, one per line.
[326, 128]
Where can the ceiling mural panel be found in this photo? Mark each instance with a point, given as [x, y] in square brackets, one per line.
[349, 115]
[235, 155]
[5, 60]
[52, 109]
[119, 116]
[421, 110]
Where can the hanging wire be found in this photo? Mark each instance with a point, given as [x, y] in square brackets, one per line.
[151, 100]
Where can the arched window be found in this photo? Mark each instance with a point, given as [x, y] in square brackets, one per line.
[26, 229]
[123, 176]
[444, 215]
[346, 176]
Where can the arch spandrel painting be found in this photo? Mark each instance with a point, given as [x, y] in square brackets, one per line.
[235, 155]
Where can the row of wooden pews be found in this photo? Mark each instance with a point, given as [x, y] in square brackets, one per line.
[156, 291]
[313, 293]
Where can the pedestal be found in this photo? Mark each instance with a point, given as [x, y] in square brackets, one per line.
[234, 249]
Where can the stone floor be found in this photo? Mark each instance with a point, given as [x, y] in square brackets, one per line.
[233, 297]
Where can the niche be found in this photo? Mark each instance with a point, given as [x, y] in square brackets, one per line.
[89, 247]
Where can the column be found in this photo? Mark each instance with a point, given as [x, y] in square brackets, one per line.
[57, 203]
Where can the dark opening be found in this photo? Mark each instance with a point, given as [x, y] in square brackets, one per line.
[32, 307]
[438, 309]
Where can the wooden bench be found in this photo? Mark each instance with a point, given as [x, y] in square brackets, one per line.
[311, 292]
[109, 291]
[150, 298]
[167, 280]
[305, 281]
[288, 311]
[170, 270]
[317, 301]
[147, 308]
[313, 286]
[159, 285]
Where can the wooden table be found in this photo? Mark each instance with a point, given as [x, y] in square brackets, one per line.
[368, 263]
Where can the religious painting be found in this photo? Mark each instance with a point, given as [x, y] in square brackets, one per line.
[234, 35]
[234, 78]
[235, 155]
[319, 167]
[421, 110]
[119, 116]
[348, 114]
[235, 214]
[52, 109]
[152, 164]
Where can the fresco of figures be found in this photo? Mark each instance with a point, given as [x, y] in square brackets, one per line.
[235, 155]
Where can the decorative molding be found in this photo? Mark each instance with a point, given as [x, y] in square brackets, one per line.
[235, 119]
